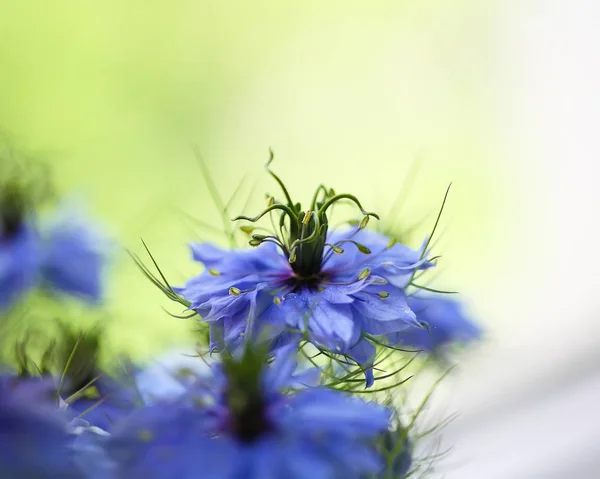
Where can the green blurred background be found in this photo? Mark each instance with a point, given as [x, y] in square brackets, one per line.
[114, 95]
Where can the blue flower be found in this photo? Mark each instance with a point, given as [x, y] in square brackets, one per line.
[19, 261]
[245, 422]
[35, 441]
[445, 322]
[337, 288]
[74, 256]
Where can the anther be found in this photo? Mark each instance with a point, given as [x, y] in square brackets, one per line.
[362, 248]
[364, 274]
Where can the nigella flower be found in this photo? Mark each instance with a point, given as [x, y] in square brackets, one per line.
[445, 322]
[74, 255]
[246, 422]
[19, 247]
[35, 441]
[336, 288]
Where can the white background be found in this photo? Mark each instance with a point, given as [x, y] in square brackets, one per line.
[528, 400]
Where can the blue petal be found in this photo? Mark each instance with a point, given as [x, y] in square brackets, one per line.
[395, 263]
[34, 440]
[305, 460]
[74, 257]
[239, 262]
[392, 308]
[364, 353]
[326, 410]
[170, 440]
[446, 322]
[20, 260]
[280, 374]
[332, 321]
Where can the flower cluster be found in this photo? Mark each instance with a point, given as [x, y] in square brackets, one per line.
[301, 325]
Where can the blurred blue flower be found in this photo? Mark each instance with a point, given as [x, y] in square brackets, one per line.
[355, 291]
[74, 255]
[35, 441]
[445, 321]
[19, 261]
[245, 422]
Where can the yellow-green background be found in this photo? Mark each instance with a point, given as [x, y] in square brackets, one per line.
[114, 94]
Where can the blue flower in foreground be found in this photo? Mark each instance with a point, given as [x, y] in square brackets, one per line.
[446, 324]
[34, 438]
[74, 256]
[336, 288]
[19, 248]
[245, 422]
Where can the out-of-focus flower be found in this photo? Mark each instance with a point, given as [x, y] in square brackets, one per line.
[337, 288]
[74, 255]
[245, 422]
[445, 321]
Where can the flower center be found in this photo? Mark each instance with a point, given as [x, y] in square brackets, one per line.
[302, 234]
[244, 395]
[249, 419]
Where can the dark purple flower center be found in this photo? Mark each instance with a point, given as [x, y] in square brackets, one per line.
[249, 421]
